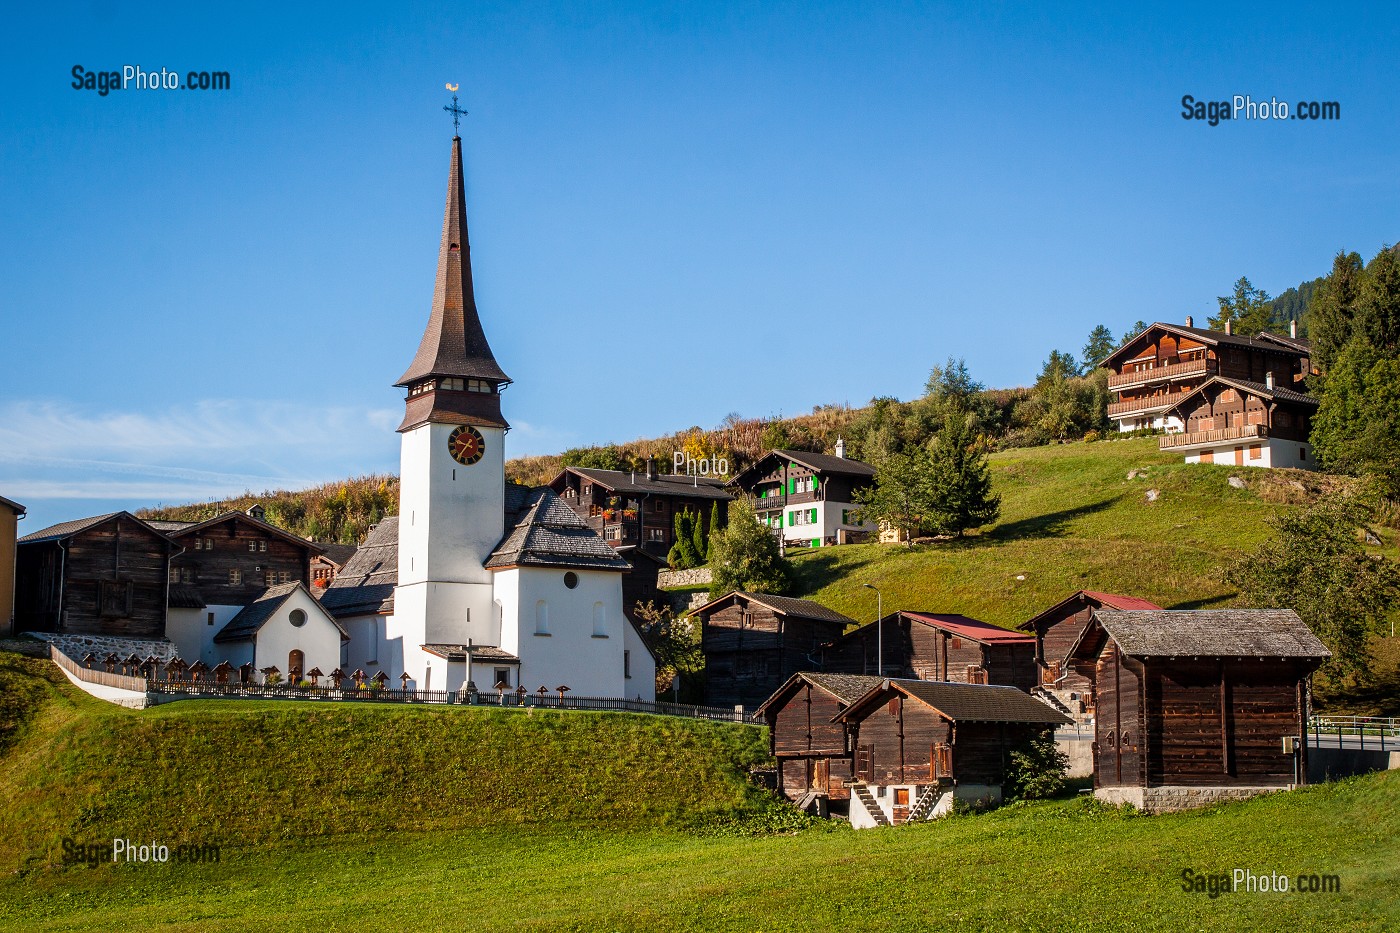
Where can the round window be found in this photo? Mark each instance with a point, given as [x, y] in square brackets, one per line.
[297, 617]
[571, 579]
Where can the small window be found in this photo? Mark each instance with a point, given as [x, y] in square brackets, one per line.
[627, 664]
[262, 546]
[210, 620]
[252, 546]
[1255, 451]
[501, 677]
[235, 577]
[186, 574]
[541, 618]
[284, 576]
[957, 643]
[1302, 453]
[658, 505]
[297, 617]
[571, 579]
[174, 574]
[656, 534]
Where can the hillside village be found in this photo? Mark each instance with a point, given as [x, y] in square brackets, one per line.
[578, 592]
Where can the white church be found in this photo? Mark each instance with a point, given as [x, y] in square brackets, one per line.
[479, 581]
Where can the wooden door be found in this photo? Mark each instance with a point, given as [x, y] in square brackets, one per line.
[1239, 456]
[941, 756]
[821, 775]
[1207, 456]
[901, 805]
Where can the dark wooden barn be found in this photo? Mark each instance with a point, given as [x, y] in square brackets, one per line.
[936, 646]
[920, 744]
[753, 642]
[94, 576]
[811, 748]
[1057, 629]
[1198, 706]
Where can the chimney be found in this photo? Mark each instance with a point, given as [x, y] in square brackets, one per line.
[1269, 379]
[841, 448]
[651, 468]
[1190, 322]
[1229, 326]
[1293, 328]
[258, 512]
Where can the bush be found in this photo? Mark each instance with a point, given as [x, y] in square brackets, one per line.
[1037, 769]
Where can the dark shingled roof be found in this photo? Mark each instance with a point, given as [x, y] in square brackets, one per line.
[454, 343]
[68, 529]
[167, 526]
[185, 597]
[479, 653]
[786, 605]
[1301, 344]
[703, 487]
[846, 688]
[1216, 633]
[1272, 343]
[338, 554]
[1278, 393]
[256, 614]
[550, 534]
[964, 702]
[365, 584]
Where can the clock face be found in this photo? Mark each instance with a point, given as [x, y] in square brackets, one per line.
[466, 445]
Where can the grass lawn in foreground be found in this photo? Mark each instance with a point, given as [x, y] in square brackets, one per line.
[1063, 865]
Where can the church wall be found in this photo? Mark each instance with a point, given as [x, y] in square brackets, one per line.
[567, 651]
[640, 665]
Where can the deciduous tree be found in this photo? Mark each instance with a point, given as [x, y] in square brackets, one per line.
[744, 556]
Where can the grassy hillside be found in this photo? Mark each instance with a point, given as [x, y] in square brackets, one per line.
[1071, 519]
[257, 773]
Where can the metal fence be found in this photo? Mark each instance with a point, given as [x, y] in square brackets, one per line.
[1379, 732]
[351, 694]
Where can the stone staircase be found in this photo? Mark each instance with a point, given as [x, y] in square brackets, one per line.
[1064, 701]
[872, 806]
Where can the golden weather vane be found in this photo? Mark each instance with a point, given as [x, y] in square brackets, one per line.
[457, 112]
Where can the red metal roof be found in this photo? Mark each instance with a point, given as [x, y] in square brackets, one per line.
[1114, 601]
[975, 629]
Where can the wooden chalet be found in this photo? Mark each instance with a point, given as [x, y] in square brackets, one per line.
[328, 563]
[936, 646]
[808, 499]
[104, 575]
[231, 559]
[1197, 706]
[10, 514]
[814, 757]
[754, 642]
[638, 509]
[1234, 421]
[921, 744]
[1153, 371]
[1056, 630]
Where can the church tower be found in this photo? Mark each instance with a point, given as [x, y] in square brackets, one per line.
[452, 464]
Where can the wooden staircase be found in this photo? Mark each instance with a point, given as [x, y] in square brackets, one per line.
[925, 804]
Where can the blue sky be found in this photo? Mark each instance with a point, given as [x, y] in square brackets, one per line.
[678, 211]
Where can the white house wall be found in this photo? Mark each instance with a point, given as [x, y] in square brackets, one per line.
[828, 521]
[193, 636]
[641, 666]
[1273, 452]
[318, 639]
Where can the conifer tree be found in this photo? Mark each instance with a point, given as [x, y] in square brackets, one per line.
[961, 480]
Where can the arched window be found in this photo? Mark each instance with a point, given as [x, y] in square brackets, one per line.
[541, 618]
[600, 623]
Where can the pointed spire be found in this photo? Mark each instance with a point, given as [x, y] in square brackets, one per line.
[454, 343]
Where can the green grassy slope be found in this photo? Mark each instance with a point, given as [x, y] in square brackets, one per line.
[1064, 865]
[265, 772]
[1071, 519]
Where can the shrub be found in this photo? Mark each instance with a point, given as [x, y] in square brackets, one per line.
[1037, 769]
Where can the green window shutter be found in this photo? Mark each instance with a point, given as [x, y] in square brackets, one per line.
[814, 516]
[816, 542]
[790, 517]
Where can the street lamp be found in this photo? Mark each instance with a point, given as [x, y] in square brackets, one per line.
[879, 629]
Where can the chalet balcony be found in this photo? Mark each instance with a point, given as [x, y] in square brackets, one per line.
[1211, 438]
[1151, 403]
[1162, 373]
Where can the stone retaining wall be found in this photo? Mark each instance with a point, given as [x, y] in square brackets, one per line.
[76, 646]
[697, 576]
[1167, 799]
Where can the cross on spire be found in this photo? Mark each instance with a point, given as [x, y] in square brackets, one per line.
[457, 112]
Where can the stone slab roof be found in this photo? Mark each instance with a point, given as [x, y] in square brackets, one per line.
[962, 702]
[1216, 633]
[550, 534]
[365, 584]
